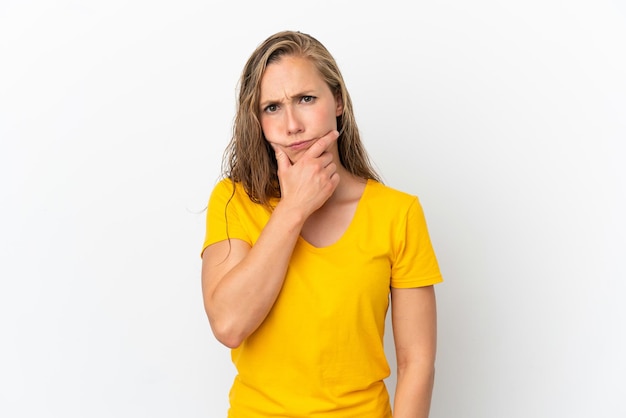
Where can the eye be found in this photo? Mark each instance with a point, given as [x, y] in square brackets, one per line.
[270, 108]
[307, 99]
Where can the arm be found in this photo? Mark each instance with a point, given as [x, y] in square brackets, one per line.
[414, 320]
[241, 283]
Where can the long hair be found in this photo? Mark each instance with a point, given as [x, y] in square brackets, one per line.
[249, 159]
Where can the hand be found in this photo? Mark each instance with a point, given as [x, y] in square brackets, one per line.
[309, 182]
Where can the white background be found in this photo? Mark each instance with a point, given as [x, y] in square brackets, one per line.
[508, 119]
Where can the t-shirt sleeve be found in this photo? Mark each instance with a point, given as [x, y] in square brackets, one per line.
[415, 263]
[222, 219]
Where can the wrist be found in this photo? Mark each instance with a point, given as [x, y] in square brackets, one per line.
[291, 215]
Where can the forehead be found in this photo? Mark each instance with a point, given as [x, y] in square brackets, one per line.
[290, 75]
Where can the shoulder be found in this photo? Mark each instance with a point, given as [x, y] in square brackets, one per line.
[228, 189]
[223, 186]
[389, 196]
[396, 206]
[228, 193]
[231, 196]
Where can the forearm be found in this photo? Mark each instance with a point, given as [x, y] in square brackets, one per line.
[414, 391]
[244, 296]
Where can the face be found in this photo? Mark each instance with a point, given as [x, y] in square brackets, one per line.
[296, 107]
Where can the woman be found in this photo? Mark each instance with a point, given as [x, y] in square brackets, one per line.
[304, 246]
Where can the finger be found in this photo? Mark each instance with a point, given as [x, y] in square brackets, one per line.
[322, 144]
[331, 169]
[326, 158]
[281, 158]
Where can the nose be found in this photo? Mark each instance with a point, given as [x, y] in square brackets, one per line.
[293, 123]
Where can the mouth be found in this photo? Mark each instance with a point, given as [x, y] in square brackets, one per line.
[296, 146]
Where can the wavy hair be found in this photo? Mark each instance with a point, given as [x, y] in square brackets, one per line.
[249, 159]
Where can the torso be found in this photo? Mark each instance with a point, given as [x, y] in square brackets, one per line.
[322, 342]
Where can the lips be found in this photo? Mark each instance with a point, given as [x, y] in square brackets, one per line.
[300, 145]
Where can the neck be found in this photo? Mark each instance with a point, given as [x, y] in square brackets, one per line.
[350, 187]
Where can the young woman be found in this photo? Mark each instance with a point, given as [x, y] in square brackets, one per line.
[304, 247]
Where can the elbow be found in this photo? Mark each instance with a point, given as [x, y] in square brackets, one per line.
[225, 334]
[229, 341]
[425, 369]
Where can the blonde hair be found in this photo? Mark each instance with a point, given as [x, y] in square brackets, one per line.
[248, 158]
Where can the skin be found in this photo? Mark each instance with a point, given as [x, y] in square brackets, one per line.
[240, 283]
[414, 321]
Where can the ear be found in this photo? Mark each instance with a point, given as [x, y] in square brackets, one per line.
[339, 102]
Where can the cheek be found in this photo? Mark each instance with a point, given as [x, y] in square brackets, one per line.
[267, 128]
[329, 117]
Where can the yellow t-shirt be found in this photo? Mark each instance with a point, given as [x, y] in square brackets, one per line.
[319, 352]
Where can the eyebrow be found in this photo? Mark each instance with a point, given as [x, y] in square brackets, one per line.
[263, 104]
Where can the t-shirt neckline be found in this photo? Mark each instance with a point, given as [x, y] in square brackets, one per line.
[348, 230]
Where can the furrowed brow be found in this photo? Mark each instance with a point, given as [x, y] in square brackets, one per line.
[263, 104]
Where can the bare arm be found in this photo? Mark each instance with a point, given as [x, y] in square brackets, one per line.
[241, 283]
[414, 320]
